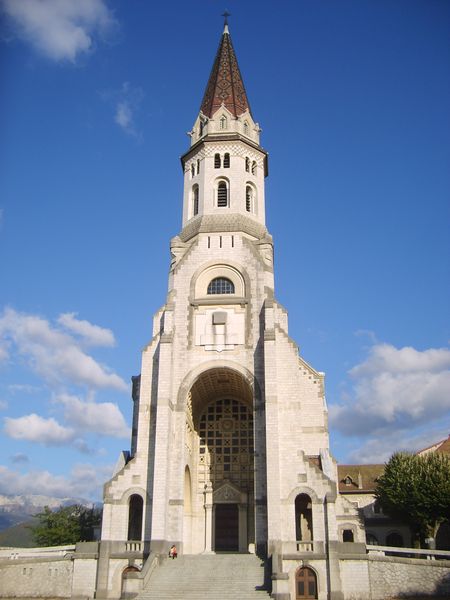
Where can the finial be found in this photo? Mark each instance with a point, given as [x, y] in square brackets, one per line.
[225, 15]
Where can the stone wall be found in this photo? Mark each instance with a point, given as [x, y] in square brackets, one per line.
[36, 578]
[383, 577]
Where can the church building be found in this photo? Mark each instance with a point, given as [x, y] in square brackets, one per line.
[230, 445]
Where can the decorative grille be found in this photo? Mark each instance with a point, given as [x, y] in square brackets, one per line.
[226, 444]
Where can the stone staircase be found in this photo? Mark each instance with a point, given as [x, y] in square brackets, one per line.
[208, 577]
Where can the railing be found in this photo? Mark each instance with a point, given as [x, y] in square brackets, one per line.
[304, 546]
[133, 546]
[48, 552]
[409, 552]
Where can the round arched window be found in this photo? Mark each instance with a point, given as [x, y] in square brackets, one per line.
[221, 285]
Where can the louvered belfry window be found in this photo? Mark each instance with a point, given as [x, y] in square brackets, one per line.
[222, 195]
[217, 161]
[226, 161]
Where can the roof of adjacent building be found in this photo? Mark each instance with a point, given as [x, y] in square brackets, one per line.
[443, 447]
[225, 85]
[358, 478]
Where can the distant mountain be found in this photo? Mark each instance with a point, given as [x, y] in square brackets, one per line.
[18, 509]
[18, 536]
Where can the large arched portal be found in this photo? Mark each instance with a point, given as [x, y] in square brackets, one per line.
[220, 422]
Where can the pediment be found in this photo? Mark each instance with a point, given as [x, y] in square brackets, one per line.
[229, 493]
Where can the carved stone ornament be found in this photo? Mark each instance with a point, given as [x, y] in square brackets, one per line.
[228, 493]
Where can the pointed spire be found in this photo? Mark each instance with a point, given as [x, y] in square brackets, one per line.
[225, 85]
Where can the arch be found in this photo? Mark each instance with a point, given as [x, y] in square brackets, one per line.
[217, 161]
[395, 539]
[195, 194]
[135, 514]
[222, 195]
[220, 285]
[303, 518]
[305, 583]
[226, 160]
[203, 279]
[223, 364]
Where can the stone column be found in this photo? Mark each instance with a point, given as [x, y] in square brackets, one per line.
[243, 537]
[208, 517]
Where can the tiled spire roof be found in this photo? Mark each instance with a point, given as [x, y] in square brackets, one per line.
[225, 85]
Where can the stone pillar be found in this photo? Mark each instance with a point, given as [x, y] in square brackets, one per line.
[243, 537]
[208, 517]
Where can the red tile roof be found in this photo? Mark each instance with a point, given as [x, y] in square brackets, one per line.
[225, 85]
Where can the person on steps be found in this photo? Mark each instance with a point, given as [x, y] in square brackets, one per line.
[173, 551]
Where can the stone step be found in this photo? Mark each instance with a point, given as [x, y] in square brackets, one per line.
[211, 577]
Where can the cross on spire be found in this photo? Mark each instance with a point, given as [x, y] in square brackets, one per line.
[225, 15]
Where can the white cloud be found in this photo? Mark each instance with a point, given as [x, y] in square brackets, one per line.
[3, 405]
[23, 388]
[380, 449]
[104, 418]
[123, 116]
[92, 334]
[54, 354]
[34, 428]
[126, 102]
[84, 481]
[59, 29]
[395, 389]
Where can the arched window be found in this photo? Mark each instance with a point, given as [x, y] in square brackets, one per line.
[249, 198]
[223, 122]
[305, 584]
[226, 161]
[135, 511]
[247, 165]
[222, 194]
[198, 166]
[254, 168]
[217, 161]
[303, 518]
[195, 200]
[192, 170]
[246, 127]
[201, 126]
[221, 285]
[347, 535]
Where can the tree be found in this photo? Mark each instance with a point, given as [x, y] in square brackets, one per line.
[67, 525]
[416, 490]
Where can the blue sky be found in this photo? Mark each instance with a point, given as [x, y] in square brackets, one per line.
[97, 95]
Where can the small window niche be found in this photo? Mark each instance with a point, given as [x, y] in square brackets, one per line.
[223, 122]
[226, 161]
[249, 199]
[222, 194]
[254, 167]
[217, 161]
[195, 200]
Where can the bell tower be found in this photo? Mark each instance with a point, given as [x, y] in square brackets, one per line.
[230, 447]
